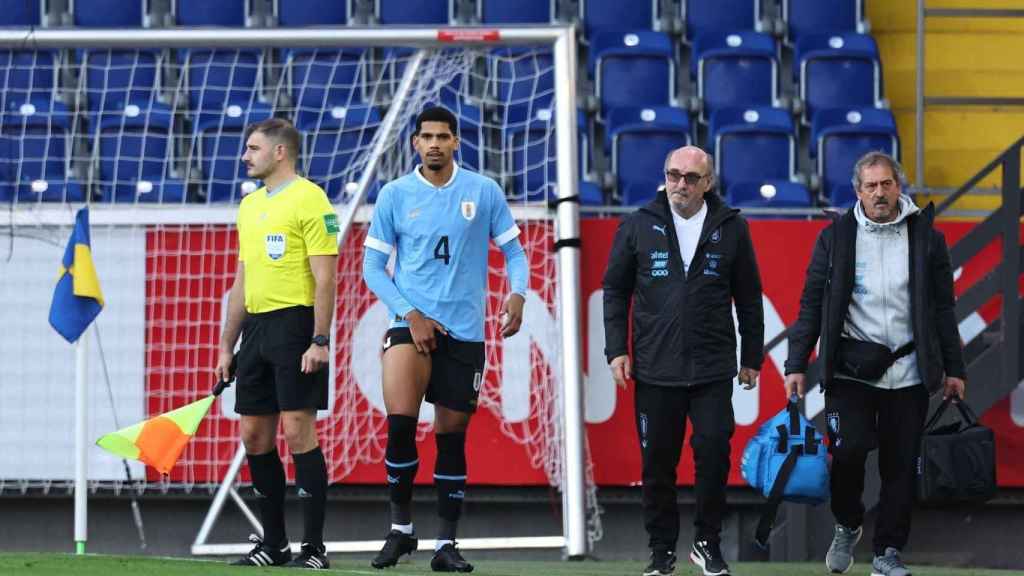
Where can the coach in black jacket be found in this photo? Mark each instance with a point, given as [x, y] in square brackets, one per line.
[880, 276]
[683, 260]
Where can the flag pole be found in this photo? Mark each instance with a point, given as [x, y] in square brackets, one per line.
[81, 443]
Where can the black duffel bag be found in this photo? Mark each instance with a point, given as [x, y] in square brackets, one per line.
[958, 460]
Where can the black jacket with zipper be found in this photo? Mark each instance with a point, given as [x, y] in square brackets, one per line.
[828, 289]
[683, 331]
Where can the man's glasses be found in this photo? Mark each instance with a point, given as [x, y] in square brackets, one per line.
[691, 178]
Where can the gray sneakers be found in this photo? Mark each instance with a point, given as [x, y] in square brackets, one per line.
[889, 564]
[839, 559]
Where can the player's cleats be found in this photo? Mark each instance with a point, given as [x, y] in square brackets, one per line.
[448, 559]
[396, 545]
[264, 555]
[312, 557]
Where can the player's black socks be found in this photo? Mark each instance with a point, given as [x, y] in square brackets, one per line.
[401, 462]
[450, 480]
[311, 478]
[268, 480]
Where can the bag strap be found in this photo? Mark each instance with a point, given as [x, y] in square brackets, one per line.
[965, 411]
[770, 508]
[939, 411]
[810, 444]
[902, 351]
[794, 418]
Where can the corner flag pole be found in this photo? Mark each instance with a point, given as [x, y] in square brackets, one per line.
[81, 443]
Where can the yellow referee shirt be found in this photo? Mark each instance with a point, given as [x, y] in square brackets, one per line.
[276, 237]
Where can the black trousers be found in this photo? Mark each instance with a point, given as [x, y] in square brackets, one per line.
[661, 413]
[861, 418]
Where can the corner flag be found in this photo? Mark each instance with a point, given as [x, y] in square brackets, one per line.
[77, 299]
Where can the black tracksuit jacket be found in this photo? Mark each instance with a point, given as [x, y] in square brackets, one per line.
[683, 331]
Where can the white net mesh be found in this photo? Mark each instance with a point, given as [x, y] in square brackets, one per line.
[152, 138]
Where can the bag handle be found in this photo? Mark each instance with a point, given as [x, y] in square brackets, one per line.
[966, 413]
[771, 507]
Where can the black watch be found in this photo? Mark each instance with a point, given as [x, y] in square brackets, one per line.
[321, 340]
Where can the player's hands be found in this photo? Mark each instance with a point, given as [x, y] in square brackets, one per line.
[223, 369]
[424, 331]
[315, 358]
[512, 312]
[796, 383]
[621, 370]
[748, 378]
[953, 388]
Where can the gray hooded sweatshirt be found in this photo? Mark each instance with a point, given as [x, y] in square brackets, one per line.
[880, 305]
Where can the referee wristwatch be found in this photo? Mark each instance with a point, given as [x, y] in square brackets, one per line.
[321, 340]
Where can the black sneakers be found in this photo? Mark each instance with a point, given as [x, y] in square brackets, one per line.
[312, 557]
[264, 555]
[448, 559]
[663, 563]
[708, 556]
[396, 544]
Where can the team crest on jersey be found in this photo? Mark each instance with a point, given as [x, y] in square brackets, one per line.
[468, 209]
[275, 246]
[716, 236]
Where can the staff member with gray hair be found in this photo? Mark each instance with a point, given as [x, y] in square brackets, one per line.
[879, 293]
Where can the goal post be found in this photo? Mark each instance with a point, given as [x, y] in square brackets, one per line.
[184, 225]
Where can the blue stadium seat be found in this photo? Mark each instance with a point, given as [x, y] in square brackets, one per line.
[333, 141]
[107, 13]
[27, 75]
[321, 78]
[523, 81]
[134, 152]
[312, 12]
[840, 71]
[720, 16]
[840, 137]
[640, 139]
[768, 194]
[805, 17]
[471, 153]
[222, 81]
[753, 144]
[735, 70]
[219, 146]
[38, 152]
[391, 12]
[115, 79]
[519, 12]
[633, 69]
[230, 13]
[20, 12]
[616, 16]
[590, 193]
[531, 158]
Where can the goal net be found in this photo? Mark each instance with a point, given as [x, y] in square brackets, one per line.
[151, 139]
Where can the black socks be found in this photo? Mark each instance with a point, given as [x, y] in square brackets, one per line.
[401, 462]
[311, 480]
[269, 482]
[450, 480]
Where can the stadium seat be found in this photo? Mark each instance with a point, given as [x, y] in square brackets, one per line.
[768, 194]
[232, 13]
[38, 152]
[720, 16]
[219, 147]
[840, 137]
[134, 152]
[590, 193]
[616, 16]
[108, 13]
[321, 78]
[27, 75]
[222, 81]
[21, 13]
[471, 153]
[753, 144]
[390, 12]
[523, 81]
[633, 69]
[115, 79]
[531, 158]
[519, 12]
[640, 139]
[333, 141]
[312, 12]
[805, 17]
[735, 71]
[841, 71]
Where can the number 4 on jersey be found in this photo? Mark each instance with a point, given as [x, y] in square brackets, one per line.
[441, 250]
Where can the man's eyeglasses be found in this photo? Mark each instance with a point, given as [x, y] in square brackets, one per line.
[691, 178]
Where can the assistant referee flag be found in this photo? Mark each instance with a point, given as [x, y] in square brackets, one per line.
[77, 298]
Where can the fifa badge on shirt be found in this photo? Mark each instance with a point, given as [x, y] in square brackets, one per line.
[331, 223]
[468, 209]
[275, 246]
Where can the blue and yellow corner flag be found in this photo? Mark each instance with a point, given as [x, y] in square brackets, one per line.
[77, 299]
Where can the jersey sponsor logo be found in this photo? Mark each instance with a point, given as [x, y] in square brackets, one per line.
[660, 229]
[659, 264]
[331, 223]
[276, 245]
[468, 209]
[711, 265]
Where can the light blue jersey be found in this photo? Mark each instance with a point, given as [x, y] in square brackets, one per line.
[442, 239]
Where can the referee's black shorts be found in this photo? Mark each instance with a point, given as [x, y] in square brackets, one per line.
[456, 369]
[269, 374]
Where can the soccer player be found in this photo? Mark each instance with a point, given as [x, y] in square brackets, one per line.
[282, 302]
[439, 219]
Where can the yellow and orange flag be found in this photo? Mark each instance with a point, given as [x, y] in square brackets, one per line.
[158, 441]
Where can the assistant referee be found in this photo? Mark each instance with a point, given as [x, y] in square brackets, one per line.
[282, 302]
